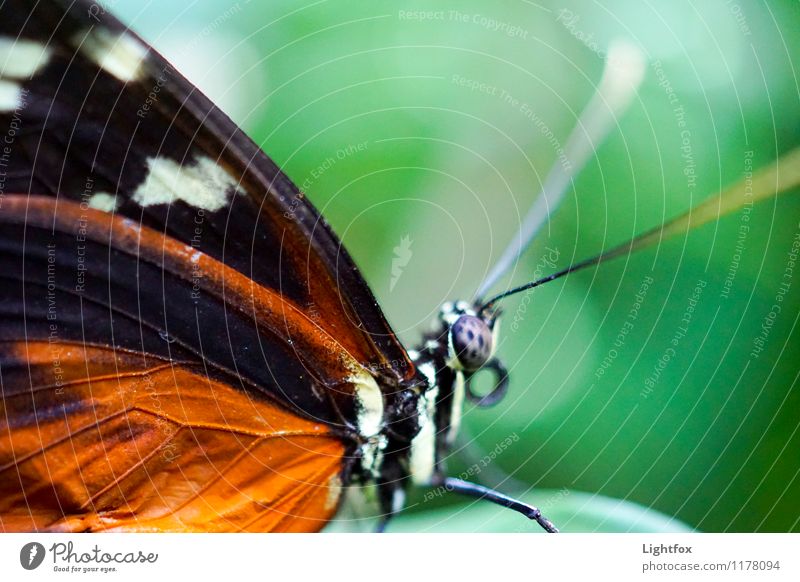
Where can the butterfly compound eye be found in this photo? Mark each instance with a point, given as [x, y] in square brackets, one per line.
[471, 340]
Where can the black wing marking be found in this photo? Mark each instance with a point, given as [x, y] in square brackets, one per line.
[99, 118]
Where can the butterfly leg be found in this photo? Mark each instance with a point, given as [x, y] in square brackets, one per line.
[391, 506]
[391, 489]
[384, 521]
[481, 492]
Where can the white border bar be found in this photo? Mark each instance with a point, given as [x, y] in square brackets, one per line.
[411, 558]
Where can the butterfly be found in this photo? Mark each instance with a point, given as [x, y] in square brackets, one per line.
[185, 344]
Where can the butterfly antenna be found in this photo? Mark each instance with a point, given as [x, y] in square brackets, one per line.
[622, 75]
[782, 176]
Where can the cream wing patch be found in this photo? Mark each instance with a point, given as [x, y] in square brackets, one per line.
[20, 58]
[369, 404]
[369, 418]
[10, 96]
[203, 184]
[103, 201]
[119, 54]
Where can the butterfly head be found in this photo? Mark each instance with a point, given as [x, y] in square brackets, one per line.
[470, 338]
[460, 345]
[467, 339]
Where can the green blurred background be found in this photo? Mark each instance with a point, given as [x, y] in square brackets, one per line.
[368, 106]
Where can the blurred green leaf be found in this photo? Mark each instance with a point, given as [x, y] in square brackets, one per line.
[571, 511]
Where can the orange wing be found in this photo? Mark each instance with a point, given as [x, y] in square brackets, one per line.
[193, 330]
[108, 421]
[111, 440]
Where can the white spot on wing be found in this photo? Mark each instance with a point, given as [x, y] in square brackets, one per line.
[20, 59]
[203, 184]
[119, 54]
[369, 403]
[103, 201]
[10, 96]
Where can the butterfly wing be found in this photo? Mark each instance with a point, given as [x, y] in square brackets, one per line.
[106, 423]
[126, 441]
[106, 121]
[138, 222]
